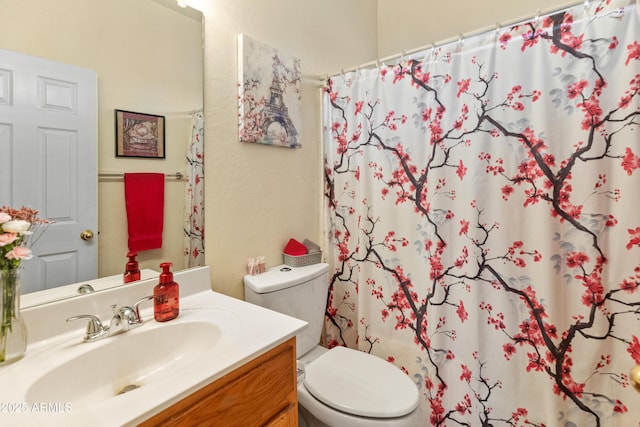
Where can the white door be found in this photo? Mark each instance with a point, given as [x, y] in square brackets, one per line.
[48, 160]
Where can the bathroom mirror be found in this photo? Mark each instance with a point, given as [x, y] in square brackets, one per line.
[133, 47]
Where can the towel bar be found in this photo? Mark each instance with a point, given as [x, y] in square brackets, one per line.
[177, 175]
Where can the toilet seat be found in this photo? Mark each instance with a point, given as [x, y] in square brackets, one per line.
[361, 384]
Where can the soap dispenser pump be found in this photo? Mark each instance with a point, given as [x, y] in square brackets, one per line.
[166, 303]
[132, 271]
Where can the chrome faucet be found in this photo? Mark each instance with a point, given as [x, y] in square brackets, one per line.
[85, 289]
[124, 319]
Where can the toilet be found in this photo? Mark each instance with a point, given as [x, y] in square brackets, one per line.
[340, 387]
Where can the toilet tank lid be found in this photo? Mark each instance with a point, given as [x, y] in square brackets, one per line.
[284, 276]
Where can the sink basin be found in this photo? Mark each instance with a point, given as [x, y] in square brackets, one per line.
[126, 362]
[62, 381]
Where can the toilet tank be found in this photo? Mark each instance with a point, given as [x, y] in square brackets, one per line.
[299, 292]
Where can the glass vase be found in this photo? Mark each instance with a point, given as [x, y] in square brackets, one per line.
[13, 330]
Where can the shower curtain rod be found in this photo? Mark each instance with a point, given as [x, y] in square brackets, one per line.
[461, 37]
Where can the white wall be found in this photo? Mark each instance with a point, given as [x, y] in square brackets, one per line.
[257, 196]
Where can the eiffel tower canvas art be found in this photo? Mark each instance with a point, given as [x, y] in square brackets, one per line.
[269, 94]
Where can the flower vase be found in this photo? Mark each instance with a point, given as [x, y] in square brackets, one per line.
[13, 330]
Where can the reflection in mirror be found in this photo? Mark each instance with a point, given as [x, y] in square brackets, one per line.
[82, 288]
[147, 56]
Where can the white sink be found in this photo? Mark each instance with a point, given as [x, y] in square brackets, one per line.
[64, 382]
[125, 363]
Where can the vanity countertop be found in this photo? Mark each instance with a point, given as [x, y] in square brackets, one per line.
[244, 331]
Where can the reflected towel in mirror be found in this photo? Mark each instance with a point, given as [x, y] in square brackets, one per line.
[144, 199]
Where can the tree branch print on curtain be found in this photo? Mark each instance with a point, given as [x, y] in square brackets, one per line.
[194, 195]
[483, 221]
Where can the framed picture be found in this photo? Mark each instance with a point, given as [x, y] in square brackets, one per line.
[269, 88]
[139, 135]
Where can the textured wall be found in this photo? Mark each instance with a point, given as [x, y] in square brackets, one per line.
[409, 24]
[257, 196]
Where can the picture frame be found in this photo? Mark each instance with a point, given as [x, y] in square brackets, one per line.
[139, 135]
[269, 95]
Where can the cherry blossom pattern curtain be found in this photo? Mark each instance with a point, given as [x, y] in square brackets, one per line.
[482, 206]
[194, 196]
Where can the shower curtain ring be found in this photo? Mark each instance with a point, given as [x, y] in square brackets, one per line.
[429, 54]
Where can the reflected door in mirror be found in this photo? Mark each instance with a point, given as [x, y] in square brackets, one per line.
[48, 141]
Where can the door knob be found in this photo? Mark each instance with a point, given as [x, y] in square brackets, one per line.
[86, 235]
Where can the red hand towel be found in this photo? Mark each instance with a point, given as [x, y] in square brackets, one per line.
[295, 248]
[144, 198]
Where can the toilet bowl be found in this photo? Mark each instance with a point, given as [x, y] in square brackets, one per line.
[340, 387]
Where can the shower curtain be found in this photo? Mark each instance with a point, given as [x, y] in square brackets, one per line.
[483, 220]
[194, 196]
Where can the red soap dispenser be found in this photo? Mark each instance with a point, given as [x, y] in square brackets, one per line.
[132, 271]
[166, 303]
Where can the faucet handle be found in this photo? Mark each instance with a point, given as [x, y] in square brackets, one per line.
[136, 308]
[95, 328]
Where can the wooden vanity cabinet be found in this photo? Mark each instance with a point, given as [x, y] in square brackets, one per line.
[262, 392]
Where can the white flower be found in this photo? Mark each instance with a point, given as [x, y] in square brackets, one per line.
[4, 217]
[19, 226]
